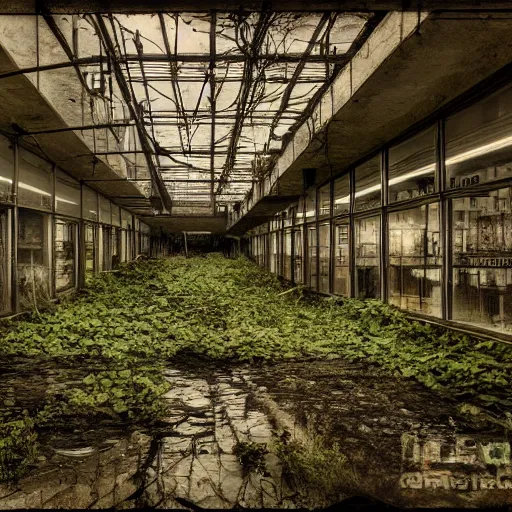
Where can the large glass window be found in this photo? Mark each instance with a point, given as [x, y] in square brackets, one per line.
[367, 263]
[482, 259]
[324, 254]
[312, 256]
[65, 254]
[298, 257]
[415, 259]
[368, 185]
[33, 260]
[67, 195]
[274, 250]
[311, 204]
[106, 238]
[116, 215]
[287, 263]
[342, 259]
[5, 261]
[479, 142]
[412, 167]
[6, 169]
[342, 195]
[300, 211]
[90, 199]
[324, 197]
[116, 247]
[105, 213]
[90, 248]
[35, 181]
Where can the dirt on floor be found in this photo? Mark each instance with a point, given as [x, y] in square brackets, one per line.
[402, 444]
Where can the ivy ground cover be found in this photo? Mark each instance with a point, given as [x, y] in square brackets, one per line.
[126, 326]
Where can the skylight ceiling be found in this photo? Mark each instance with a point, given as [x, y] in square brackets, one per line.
[192, 107]
[220, 92]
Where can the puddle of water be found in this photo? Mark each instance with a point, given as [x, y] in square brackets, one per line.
[406, 445]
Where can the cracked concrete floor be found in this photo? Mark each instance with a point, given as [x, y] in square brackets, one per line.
[405, 444]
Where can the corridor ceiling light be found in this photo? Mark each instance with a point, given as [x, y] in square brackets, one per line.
[462, 157]
[24, 186]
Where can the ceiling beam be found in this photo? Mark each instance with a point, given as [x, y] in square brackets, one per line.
[151, 6]
[131, 104]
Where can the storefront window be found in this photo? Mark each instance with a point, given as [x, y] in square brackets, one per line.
[367, 264]
[311, 205]
[415, 259]
[65, 259]
[35, 181]
[312, 246]
[105, 213]
[479, 142]
[368, 185]
[6, 169]
[90, 248]
[116, 215]
[342, 195]
[287, 263]
[298, 271]
[342, 259]
[324, 257]
[5, 261]
[482, 259]
[300, 211]
[412, 167]
[33, 260]
[106, 236]
[324, 196]
[273, 252]
[116, 247]
[67, 195]
[90, 208]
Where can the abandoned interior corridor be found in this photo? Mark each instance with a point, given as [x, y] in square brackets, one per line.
[255, 254]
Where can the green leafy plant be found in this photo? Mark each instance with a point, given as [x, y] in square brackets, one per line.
[18, 446]
[251, 456]
[317, 474]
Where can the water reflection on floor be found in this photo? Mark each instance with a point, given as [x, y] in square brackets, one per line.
[405, 445]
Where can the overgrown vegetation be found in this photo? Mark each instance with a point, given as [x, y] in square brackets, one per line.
[318, 475]
[251, 456]
[131, 322]
[18, 446]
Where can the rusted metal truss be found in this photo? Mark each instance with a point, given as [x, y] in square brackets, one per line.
[210, 98]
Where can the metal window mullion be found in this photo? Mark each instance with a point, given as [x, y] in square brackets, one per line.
[81, 241]
[384, 231]
[331, 238]
[445, 223]
[15, 230]
[53, 255]
[317, 236]
[351, 235]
